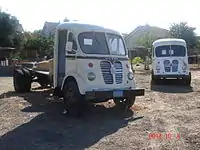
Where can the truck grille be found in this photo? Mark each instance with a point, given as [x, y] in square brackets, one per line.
[107, 74]
[119, 72]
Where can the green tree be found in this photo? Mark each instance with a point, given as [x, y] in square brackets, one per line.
[36, 41]
[146, 40]
[10, 35]
[183, 31]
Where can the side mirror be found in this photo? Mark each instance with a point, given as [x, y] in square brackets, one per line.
[69, 46]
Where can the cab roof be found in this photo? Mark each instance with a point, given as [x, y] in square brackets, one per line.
[78, 27]
[169, 41]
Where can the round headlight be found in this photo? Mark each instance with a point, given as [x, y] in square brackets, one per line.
[130, 76]
[157, 67]
[184, 67]
[91, 76]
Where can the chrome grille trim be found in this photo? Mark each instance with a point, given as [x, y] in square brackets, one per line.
[118, 73]
[167, 66]
[108, 77]
[106, 72]
[175, 65]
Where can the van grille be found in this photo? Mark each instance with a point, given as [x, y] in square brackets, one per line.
[171, 67]
[108, 76]
[167, 66]
[175, 65]
[119, 72]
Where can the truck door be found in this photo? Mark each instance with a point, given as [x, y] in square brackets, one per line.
[61, 63]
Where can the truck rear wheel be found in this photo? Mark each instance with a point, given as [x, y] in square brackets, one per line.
[22, 80]
[124, 103]
[73, 100]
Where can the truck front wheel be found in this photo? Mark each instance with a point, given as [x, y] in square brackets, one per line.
[73, 100]
[124, 103]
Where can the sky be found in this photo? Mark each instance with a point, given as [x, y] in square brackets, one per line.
[123, 16]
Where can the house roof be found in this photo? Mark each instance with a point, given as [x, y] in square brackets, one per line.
[153, 30]
[50, 26]
[133, 38]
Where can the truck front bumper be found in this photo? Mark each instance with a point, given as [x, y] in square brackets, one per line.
[110, 94]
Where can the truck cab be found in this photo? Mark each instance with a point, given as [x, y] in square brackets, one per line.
[170, 60]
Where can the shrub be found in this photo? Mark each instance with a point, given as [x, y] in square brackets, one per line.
[137, 60]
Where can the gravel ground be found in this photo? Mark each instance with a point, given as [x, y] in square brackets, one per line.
[167, 117]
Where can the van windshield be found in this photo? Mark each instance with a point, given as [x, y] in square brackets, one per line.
[96, 43]
[170, 50]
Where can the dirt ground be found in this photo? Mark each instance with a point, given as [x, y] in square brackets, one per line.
[167, 117]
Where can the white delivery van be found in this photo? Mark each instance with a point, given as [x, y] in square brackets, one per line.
[90, 63]
[170, 60]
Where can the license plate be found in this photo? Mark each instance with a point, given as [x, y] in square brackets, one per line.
[118, 93]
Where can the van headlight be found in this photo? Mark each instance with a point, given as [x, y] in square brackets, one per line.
[157, 67]
[184, 67]
[130, 76]
[91, 76]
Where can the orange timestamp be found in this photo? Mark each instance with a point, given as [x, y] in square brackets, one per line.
[167, 136]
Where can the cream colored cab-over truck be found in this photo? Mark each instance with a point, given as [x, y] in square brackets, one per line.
[90, 63]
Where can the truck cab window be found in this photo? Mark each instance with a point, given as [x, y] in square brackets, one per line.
[72, 39]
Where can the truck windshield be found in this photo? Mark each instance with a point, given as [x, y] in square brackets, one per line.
[116, 44]
[170, 50]
[93, 43]
[96, 43]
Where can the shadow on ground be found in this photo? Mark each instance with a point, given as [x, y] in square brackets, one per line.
[195, 69]
[52, 130]
[171, 86]
[143, 72]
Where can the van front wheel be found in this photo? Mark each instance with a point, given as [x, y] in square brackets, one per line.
[187, 80]
[154, 79]
[124, 103]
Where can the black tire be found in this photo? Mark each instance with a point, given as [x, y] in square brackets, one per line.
[154, 80]
[123, 104]
[187, 80]
[73, 100]
[22, 80]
